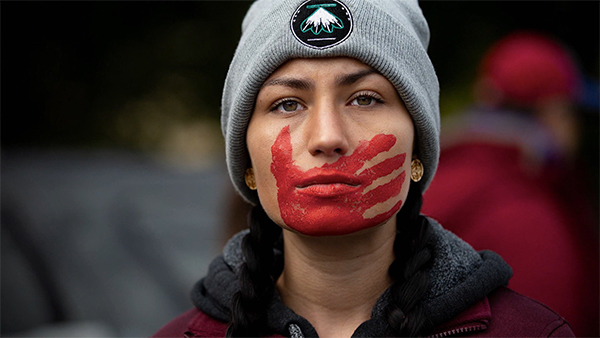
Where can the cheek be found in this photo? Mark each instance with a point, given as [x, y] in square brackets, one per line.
[260, 157]
[267, 194]
[395, 184]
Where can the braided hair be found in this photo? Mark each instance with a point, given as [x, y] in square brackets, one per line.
[256, 277]
[404, 313]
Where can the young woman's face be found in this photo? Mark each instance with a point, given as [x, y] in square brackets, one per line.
[330, 142]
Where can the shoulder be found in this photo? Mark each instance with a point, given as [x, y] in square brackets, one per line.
[193, 323]
[516, 315]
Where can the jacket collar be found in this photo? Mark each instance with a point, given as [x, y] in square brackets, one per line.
[475, 318]
[460, 278]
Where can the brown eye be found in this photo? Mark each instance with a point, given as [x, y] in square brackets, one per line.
[289, 106]
[364, 100]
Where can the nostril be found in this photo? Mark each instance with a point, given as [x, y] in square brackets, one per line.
[328, 151]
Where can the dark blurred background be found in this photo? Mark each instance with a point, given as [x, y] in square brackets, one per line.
[119, 74]
[114, 189]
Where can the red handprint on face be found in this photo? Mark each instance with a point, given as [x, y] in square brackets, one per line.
[332, 199]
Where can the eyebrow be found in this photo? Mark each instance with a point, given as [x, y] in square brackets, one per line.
[302, 84]
[348, 79]
[290, 82]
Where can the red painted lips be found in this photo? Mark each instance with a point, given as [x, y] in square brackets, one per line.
[327, 183]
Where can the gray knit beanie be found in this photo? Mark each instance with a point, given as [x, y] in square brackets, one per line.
[389, 35]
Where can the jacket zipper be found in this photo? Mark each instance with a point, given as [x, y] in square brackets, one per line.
[463, 329]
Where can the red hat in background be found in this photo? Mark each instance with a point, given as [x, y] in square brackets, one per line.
[526, 67]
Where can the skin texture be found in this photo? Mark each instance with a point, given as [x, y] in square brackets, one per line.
[329, 141]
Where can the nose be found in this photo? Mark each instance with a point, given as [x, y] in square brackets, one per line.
[326, 132]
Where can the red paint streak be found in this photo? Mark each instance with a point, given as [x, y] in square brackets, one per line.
[329, 200]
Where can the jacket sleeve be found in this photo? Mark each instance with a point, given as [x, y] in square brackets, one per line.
[563, 330]
[515, 315]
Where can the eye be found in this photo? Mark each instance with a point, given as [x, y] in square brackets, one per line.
[286, 106]
[289, 105]
[363, 100]
[366, 99]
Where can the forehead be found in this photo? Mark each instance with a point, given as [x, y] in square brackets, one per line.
[305, 74]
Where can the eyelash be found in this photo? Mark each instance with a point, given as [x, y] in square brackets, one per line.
[275, 106]
[376, 97]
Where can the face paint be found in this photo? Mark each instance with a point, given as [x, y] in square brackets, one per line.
[330, 200]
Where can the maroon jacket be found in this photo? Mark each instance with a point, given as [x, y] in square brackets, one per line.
[504, 313]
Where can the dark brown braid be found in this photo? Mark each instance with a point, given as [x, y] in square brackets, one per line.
[404, 312]
[257, 283]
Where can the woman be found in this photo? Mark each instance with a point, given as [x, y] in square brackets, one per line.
[331, 119]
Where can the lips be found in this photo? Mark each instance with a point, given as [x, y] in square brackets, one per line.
[326, 183]
[318, 176]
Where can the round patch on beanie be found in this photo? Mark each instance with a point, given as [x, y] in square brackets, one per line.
[321, 24]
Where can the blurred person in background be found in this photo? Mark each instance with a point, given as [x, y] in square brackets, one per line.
[510, 177]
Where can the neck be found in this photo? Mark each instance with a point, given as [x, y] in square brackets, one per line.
[334, 282]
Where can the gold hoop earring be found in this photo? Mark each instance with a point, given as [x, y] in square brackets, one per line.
[250, 180]
[416, 170]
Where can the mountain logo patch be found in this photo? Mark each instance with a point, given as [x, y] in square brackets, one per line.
[321, 23]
